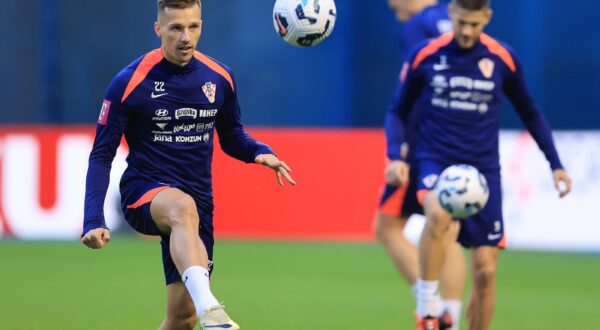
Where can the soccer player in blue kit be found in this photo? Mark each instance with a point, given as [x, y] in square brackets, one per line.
[423, 19]
[456, 83]
[168, 104]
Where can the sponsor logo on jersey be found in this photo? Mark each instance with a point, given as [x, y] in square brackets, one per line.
[204, 126]
[161, 112]
[188, 139]
[155, 96]
[161, 125]
[469, 83]
[161, 115]
[487, 67]
[183, 128]
[207, 113]
[186, 113]
[162, 138]
[430, 180]
[443, 65]
[103, 118]
[210, 90]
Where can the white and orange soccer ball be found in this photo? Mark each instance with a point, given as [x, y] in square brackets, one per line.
[304, 23]
[462, 190]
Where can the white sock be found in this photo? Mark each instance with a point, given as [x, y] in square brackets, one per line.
[427, 302]
[438, 297]
[441, 303]
[196, 280]
[454, 308]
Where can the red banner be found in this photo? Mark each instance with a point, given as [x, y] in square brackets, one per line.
[339, 174]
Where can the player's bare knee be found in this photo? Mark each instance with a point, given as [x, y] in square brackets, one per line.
[439, 224]
[484, 276]
[182, 212]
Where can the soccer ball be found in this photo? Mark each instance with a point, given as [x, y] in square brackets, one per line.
[304, 23]
[462, 190]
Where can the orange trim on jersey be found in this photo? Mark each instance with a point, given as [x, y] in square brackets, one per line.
[421, 195]
[216, 67]
[147, 197]
[497, 49]
[393, 204]
[502, 244]
[432, 47]
[142, 70]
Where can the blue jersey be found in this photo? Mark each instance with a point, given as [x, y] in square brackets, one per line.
[457, 94]
[168, 115]
[430, 23]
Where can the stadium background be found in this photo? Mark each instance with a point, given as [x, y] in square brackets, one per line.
[322, 109]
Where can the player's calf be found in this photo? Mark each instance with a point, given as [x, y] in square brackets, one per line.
[180, 323]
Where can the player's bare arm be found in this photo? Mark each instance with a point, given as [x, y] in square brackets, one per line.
[562, 182]
[96, 238]
[282, 170]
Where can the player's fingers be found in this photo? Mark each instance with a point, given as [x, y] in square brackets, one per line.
[106, 236]
[566, 187]
[287, 176]
[89, 241]
[279, 178]
[85, 241]
[96, 242]
[284, 165]
[391, 177]
[401, 175]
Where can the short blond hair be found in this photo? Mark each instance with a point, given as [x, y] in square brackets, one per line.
[179, 4]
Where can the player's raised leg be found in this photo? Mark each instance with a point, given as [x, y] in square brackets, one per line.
[483, 297]
[432, 255]
[176, 215]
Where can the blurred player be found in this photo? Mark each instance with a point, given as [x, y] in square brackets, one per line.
[456, 82]
[424, 19]
[168, 104]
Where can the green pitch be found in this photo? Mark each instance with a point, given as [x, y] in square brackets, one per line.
[273, 286]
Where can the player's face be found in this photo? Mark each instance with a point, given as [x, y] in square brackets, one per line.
[468, 24]
[179, 31]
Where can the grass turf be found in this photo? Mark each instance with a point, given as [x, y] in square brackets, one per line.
[272, 286]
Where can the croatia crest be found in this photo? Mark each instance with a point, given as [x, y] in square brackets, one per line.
[210, 90]
[487, 67]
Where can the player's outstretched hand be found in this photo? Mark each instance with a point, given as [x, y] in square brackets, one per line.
[96, 238]
[281, 169]
[396, 173]
[562, 182]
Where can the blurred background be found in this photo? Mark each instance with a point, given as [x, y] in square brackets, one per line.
[322, 109]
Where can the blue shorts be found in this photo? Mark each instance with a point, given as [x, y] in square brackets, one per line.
[136, 196]
[400, 202]
[486, 228]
